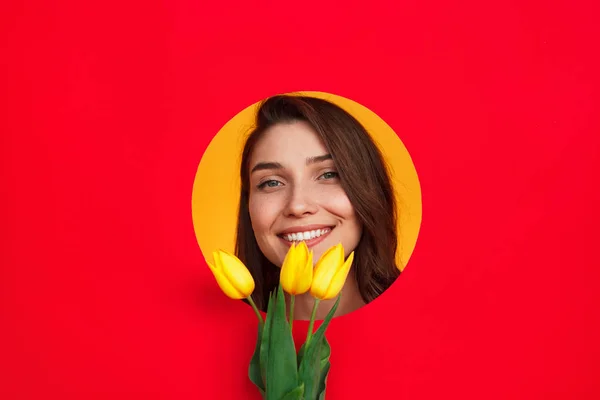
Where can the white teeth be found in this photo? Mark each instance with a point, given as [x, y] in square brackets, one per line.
[299, 236]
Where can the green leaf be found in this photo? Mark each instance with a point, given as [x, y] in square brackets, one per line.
[296, 394]
[325, 352]
[281, 362]
[310, 369]
[321, 331]
[254, 370]
[301, 354]
[325, 356]
[264, 345]
[322, 394]
[315, 359]
[325, 365]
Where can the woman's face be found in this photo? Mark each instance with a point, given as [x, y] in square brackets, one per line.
[295, 195]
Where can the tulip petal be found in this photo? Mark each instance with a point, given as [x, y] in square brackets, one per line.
[305, 275]
[303, 279]
[237, 273]
[294, 276]
[287, 274]
[338, 281]
[302, 251]
[227, 288]
[327, 266]
[212, 268]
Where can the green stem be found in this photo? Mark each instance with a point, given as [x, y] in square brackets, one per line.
[292, 300]
[312, 321]
[255, 309]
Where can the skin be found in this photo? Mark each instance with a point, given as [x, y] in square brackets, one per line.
[288, 190]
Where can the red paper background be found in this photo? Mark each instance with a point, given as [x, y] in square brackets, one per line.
[107, 109]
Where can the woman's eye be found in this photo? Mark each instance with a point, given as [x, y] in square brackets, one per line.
[270, 183]
[329, 175]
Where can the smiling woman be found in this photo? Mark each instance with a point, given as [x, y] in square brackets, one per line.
[316, 168]
[310, 172]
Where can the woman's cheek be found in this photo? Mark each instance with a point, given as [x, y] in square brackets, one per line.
[338, 202]
[262, 213]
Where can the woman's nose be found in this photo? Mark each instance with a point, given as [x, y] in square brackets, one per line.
[300, 202]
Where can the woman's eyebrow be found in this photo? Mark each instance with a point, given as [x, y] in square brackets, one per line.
[261, 166]
[266, 165]
[318, 159]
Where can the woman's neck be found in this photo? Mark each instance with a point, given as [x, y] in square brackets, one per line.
[351, 300]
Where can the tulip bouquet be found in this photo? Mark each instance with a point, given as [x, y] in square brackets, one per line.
[276, 369]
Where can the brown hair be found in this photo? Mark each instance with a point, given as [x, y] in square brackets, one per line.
[363, 176]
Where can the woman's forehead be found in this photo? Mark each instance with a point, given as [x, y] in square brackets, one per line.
[288, 142]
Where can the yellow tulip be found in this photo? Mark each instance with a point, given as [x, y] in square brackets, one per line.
[330, 273]
[233, 277]
[297, 269]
